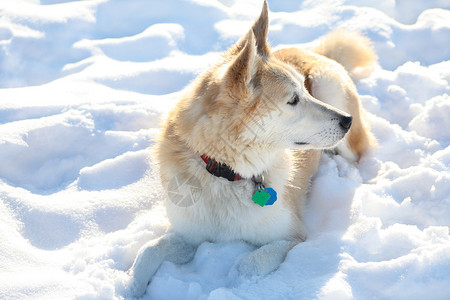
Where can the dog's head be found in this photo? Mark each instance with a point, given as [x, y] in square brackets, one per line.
[259, 100]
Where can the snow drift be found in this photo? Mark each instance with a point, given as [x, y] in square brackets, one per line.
[83, 85]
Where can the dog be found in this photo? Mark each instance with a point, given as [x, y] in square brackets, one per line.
[238, 151]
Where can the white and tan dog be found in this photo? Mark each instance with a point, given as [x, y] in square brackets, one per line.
[255, 120]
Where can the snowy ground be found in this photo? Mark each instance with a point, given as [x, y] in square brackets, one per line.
[83, 85]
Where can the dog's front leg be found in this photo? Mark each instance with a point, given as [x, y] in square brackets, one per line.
[170, 247]
[265, 259]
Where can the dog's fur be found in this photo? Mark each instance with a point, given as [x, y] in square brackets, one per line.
[238, 113]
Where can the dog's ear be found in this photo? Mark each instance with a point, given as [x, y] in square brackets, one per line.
[243, 67]
[261, 30]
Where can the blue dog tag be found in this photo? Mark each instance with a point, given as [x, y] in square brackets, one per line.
[273, 196]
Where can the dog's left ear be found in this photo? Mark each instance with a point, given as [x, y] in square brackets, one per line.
[261, 30]
[243, 67]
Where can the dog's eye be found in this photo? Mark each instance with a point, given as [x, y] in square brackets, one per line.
[294, 100]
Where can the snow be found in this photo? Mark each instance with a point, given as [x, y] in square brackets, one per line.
[83, 85]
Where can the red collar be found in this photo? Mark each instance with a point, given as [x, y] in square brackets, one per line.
[220, 169]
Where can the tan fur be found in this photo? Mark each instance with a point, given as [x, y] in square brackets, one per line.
[348, 48]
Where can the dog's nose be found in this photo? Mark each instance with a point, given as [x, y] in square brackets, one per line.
[345, 122]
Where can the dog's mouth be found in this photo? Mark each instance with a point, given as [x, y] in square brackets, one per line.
[315, 146]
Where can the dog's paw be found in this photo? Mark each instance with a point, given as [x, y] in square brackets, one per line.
[257, 264]
[248, 268]
[136, 288]
[265, 259]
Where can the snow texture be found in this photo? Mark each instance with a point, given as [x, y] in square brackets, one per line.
[83, 85]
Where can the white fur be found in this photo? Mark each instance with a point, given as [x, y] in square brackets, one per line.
[224, 210]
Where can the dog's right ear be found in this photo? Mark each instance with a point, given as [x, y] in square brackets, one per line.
[261, 30]
[243, 67]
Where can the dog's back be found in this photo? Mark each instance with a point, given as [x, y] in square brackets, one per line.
[350, 49]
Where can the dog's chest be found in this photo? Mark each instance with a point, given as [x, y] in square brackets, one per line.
[224, 211]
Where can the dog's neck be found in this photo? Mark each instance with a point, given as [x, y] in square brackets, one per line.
[244, 156]
[247, 163]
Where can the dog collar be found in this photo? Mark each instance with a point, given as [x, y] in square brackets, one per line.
[219, 169]
[262, 196]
